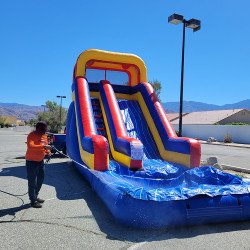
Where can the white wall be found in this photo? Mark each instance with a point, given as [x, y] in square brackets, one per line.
[239, 134]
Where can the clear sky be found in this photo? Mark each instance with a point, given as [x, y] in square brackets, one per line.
[40, 41]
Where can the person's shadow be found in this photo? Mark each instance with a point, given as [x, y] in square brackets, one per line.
[12, 211]
[71, 185]
[56, 174]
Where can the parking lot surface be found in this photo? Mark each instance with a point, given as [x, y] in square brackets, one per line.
[228, 155]
[74, 217]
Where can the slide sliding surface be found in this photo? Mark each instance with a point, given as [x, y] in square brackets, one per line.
[136, 125]
[171, 148]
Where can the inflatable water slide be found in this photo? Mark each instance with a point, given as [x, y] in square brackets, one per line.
[121, 140]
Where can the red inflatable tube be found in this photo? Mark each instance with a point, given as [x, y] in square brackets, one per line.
[86, 124]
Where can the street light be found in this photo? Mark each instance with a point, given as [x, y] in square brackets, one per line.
[195, 25]
[61, 96]
[44, 106]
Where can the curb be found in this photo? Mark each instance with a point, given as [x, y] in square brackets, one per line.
[226, 144]
[237, 169]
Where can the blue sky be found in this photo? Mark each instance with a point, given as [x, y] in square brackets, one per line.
[41, 40]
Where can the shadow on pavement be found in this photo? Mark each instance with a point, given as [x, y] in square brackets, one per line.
[12, 211]
[70, 185]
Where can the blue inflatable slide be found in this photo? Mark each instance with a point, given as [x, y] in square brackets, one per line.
[121, 140]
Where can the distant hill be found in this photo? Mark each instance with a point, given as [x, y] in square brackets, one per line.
[190, 106]
[26, 112]
[243, 104]
[21, 111]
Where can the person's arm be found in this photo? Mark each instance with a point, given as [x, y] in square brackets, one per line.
[47, 147]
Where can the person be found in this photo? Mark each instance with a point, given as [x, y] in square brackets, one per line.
[37, 149]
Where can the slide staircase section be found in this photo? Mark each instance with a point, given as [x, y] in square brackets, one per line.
[94, 148]
[124, 149]
[98, 117]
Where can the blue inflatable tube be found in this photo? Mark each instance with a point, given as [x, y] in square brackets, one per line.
[153, 214]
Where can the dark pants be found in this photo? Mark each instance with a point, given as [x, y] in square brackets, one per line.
[35, 175]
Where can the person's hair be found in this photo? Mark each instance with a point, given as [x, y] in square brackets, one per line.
[41, 127]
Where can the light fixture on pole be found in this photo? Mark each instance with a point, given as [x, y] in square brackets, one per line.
[61, 96]
[195, 25]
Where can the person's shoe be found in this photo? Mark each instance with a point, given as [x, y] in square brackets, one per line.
[40, 200]
[36, 204]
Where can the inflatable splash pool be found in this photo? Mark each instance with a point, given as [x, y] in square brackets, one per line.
[121, 140]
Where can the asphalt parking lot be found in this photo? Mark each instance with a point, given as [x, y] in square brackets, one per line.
[74, 217]
[228, 155]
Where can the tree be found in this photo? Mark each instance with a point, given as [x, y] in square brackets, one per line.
[157, 87]
[31, 122]
[2, 121]
[52, 116]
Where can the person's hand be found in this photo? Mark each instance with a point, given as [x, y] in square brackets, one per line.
[48, 155]
[47, 147]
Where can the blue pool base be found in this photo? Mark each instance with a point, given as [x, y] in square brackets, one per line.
[150, 214]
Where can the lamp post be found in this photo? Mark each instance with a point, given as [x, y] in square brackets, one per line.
[61, 96]
[44, 106]
[195, 25]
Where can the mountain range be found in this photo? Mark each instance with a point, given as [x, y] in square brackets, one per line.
[21, 111]
[26, 112]
[191, 106]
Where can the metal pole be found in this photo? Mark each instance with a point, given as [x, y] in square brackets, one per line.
[182, 78]
[61, 114]
[44, 106]
[61, 96]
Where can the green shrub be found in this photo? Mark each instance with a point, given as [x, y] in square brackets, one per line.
[228, 138]
[233, 123]
[238, 123]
